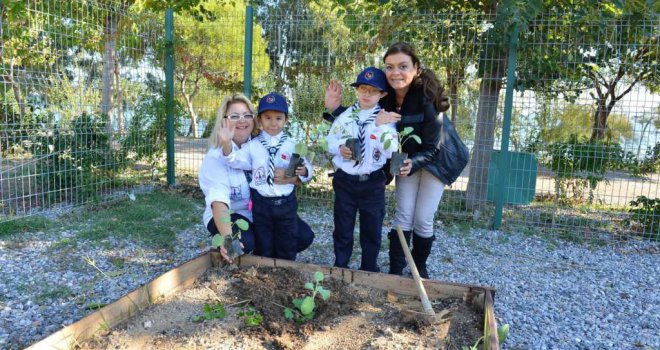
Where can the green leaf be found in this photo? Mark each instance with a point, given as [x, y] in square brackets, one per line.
[217, 241]
[242, 224]
[416, 138]
[207, 308]
[318, 276]
[297, 302]
[307, 306]
[503, 332]
[288, 313]
[325, 294]
[406, 131]
[225, 219]
[387, 144]
[197, 318]
[309, 285]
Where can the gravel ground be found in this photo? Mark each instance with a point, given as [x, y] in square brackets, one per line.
[554, 295]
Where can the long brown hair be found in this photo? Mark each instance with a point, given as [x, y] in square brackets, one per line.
[426, 79]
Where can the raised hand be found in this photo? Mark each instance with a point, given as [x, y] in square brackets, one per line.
[225, 135]
[333, 95]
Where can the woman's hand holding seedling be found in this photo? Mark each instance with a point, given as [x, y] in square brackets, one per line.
[407, 167]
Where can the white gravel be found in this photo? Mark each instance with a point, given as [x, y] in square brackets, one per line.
[554, 296]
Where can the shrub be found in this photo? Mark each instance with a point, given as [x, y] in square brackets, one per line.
[646, 211]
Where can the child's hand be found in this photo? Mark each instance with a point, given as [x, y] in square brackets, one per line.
[301, 171]
[345, 152]
[333, 95]
[385, 117]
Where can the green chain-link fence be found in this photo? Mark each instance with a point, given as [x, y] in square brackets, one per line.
[574, 152]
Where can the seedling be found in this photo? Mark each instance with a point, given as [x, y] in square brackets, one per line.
[305, 307]
[233, 244]
[398, 157]
[211, 312]
[297, 160]
[502, 334]
[251, 317]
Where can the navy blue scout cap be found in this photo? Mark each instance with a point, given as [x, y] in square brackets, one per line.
[372, 76]
[273, 102]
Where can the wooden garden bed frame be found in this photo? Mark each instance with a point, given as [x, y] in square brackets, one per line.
[185, 275]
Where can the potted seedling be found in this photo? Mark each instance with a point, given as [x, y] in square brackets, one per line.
[354, 145]
[232, 242]
[396, 163]
[296, 159]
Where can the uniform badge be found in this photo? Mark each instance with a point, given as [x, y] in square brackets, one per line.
[376, 155]
[235, 193]
[369, 75]
[259, 176]
[270, 99]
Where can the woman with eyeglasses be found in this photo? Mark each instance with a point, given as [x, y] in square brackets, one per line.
[226, 190]
[417, 101]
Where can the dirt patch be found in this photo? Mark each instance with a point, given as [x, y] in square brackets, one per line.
[354, 317]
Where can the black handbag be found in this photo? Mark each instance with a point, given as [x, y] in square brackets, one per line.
[452, 155]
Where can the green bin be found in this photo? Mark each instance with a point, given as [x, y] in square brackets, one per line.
[519, 179]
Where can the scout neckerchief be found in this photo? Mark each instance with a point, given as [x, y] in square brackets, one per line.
[272, 151]
[362, 125]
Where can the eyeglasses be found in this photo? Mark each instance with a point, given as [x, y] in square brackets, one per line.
[235, 117]
[367, 90]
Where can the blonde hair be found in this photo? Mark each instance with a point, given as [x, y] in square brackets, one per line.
[214, 141]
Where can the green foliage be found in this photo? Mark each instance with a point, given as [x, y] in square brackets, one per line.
[138, 219]
[405, 135]
[502, 335]
[242, 225]
[580, 165]
[646, 211]
[211, 312]
[251, 317]
[305, 307]
[80, 156]
[23, 225]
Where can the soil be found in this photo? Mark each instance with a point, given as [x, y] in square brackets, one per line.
[354, 317]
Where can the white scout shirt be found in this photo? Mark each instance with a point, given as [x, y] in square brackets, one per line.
[346, 126]
[254, 156]
[220, 183]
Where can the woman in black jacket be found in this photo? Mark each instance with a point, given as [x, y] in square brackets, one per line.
[417, 101]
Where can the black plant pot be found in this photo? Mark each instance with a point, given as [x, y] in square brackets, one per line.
[396, 163]
[354, 145]
[296, 161]
[233, 247]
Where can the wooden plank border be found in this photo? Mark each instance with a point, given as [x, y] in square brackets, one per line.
[185, 275]
[121, 310]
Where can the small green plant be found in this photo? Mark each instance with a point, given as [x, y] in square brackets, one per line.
[251, 317]
[502, 334]
[242, 225]
[211, 312]
[305, 307]
[646, 211]
[404, 136]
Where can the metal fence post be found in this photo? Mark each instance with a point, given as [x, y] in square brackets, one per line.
[502, 183]
[247, 55]
[169, 93]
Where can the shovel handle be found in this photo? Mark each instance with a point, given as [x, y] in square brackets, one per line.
[426, 304]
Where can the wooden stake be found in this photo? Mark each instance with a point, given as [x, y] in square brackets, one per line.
[426, 304]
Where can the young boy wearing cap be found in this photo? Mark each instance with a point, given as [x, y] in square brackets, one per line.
[359, 185]
[274, 205]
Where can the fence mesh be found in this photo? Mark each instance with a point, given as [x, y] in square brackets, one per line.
[83, 104]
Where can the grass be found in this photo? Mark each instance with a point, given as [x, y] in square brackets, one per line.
[152, 219]
[54, 292]
[25, 225]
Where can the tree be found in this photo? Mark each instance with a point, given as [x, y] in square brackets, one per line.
[207, 55]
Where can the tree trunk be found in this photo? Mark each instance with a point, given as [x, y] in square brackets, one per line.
[491, 84]
[119, 102]
[600, 120]
[108, 68]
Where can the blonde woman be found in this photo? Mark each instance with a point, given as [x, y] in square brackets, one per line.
[227, 190]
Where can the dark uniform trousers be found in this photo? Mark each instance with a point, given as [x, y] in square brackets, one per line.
[366, 194]
[275, 225]
[304, 237]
